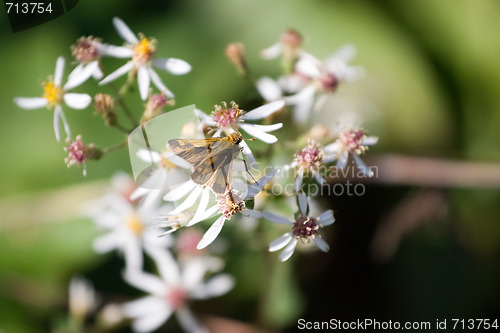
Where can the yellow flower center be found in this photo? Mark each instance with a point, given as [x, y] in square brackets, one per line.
[166, 164]
[135, 224]
[52, 93]
[144, 50]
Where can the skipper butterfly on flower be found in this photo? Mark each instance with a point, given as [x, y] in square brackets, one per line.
[212, 159]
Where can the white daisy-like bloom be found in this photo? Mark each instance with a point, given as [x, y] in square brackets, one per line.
[82, 298]
[87, 52]
[325, 76]
[354, 142]
[304, 228]
[308, 160]
[54, 93]
[128, 228]
[170, 292]
[169, 169]
[230, 205]
[142, 53]
[229, 119]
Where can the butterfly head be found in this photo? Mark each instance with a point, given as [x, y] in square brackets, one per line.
[235, 137]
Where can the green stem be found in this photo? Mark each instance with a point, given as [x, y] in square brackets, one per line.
[114, 147]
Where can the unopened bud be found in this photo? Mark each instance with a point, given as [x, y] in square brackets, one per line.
[154, 106]
[105, 106]
[235, 52]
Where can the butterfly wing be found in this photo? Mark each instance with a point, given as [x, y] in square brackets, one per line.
[212, 160]
[193, 151]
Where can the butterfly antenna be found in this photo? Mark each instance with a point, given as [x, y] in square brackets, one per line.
[246, 168]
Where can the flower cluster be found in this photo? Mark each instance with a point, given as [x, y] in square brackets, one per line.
[199, 180]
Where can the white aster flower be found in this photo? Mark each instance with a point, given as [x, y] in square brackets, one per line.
[304, 228]
[170, 292]
[354, 142]
[229, 119]
[142, 53]
[308, 160]
[87, 52]
[54, 93]
[191, 195]
[128, 228]
[169, 170]
[231, 204]
[325, 77]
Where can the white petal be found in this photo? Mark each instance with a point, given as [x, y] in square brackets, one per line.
[151, 321]
[303, 101]
[77, 101]
[297, 184]
[321, 244]
[165, 263]
[308, 66]
[342, 162]
[132, 252]
[143, 82]
[58, 75]
[115, 51]
[124, 31]
[65, 122]
[30, 103]
[362, 166]
[370, 141]
[216, 286]
[173, 65]
[288, 251]
[117, 73]
[275, 218]
[257, 133]
[211, 233]
[333, 148]
[263, 111]
[141, 307]
[326, 218]
[189, 201]
[345, 54]
[352, 73]
[202, 205]
[188, 322]
[147, 282]
[302, 203]
[80, 74]
[250, 213]
[268, 128]
[269, 89]
[319, 179]
[57, 114]
[180, 191]
[106, 243]
[148, 156]
[272, 52]
[252, 163]
[204, 118]
[256, 187]
[280, 242]
[159, 84]
[206, 214]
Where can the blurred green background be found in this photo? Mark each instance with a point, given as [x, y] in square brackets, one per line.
[432, 89]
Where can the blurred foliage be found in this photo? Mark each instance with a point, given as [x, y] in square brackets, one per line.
[432, 85]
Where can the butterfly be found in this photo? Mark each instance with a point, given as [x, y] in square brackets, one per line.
[212, 159]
